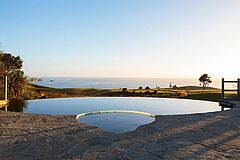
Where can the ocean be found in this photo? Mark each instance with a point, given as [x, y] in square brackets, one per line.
[114, 83]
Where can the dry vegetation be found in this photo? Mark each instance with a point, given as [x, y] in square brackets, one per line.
[210, 94]
[187, 92]
[46, 92]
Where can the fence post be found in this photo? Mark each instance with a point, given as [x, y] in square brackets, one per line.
[222, 89]
[238, 88]
[5, 87]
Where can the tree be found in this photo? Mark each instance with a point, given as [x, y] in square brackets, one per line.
[18, 85]
[204, 80]
[170, 85]
[8, 65]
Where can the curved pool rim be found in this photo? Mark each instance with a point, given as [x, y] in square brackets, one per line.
[165, 98]
[170, 98]
[115, 111]
[104, 121]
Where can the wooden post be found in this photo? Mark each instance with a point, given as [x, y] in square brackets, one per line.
[238, 88]
[6, 88]
[222, 89]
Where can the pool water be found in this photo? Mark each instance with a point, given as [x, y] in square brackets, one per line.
[118, 122]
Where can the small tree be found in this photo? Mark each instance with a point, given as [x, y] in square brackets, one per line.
[170, 85]
[204, 80]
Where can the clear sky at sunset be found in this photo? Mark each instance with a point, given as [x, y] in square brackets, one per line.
[123, 38]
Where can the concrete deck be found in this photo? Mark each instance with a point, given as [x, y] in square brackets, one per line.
[197, 136]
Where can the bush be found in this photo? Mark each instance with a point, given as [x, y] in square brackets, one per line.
[147, 88]
[124, 89]
[174, 87]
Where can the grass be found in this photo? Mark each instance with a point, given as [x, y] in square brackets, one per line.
[209, 94]
[204, 96]
[46, 92]
[187, 92]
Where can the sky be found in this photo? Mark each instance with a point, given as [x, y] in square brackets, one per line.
[123, 38]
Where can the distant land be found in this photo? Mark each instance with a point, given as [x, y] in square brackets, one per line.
[116, 83]
[34, 80]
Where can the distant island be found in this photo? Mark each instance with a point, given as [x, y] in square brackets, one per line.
[34, 80]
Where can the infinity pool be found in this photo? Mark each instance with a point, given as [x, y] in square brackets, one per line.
[118, 122]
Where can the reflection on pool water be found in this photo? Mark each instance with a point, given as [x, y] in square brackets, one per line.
[118, 122]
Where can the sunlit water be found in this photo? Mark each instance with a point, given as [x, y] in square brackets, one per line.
[118, 122]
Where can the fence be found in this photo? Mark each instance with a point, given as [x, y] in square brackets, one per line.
[224, 90]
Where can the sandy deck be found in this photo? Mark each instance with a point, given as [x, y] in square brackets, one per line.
[198, 136]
